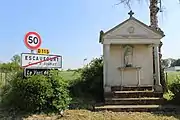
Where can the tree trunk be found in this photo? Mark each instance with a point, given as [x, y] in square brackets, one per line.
[153, 13]
[154, 9]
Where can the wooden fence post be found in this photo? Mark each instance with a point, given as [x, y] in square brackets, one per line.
[166, 78]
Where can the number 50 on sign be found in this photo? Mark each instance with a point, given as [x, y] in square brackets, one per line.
[32, 40]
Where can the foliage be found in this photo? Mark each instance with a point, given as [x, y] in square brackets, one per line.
[174, 87]
[1, 84]
[60, 98]
[176, 63]
[9, 67]
[165, 63]
[37, 93]
[168, 95]
[171, 77]
[14, 65]
[171, 61]
[90, 82]
[16, 59]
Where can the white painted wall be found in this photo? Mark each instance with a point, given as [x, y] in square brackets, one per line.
[115, 61]
[142, 57]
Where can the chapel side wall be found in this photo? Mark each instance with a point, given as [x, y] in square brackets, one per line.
[115, 61]
[143, 58]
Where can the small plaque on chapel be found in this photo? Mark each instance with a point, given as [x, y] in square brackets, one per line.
[131, 30]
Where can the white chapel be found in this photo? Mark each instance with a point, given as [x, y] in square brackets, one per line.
[128, 55]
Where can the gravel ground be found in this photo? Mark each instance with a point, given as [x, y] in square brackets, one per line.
[88, 115]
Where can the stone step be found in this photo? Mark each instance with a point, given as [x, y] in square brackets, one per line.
[137, 108]
[128, 108]
[131, 88]
[135, 94]
[134, 101]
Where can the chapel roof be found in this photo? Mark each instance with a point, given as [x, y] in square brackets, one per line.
[158, 31]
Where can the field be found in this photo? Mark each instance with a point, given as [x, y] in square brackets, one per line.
[69, 75]
[172, 76]
[89, 115]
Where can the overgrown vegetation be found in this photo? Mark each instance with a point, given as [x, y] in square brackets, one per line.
[37, 93]
[174, 87]
[13, 65]
[90, 82]
[52, 93]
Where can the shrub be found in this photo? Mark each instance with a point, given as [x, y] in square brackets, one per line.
[174, 87]
[90, 82]
[37, 93]
[60, 98]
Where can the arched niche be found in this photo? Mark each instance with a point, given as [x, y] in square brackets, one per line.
[128, 55]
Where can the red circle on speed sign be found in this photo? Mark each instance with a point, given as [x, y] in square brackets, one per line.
[32, 40]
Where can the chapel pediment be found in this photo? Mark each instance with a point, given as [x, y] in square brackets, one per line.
[131, 29]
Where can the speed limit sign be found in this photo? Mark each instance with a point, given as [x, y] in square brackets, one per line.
[32, 40]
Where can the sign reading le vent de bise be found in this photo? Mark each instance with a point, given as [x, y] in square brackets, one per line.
[31, 71]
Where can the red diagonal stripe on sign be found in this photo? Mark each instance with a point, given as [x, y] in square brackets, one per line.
[39, 62]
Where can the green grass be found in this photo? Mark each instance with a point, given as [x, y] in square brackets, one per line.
[172, 76]
[69, 75]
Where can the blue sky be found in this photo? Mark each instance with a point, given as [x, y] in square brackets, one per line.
[71, 27]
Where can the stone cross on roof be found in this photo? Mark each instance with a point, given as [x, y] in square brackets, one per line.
[131, 13]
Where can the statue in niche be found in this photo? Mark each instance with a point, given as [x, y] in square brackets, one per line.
[128, 56]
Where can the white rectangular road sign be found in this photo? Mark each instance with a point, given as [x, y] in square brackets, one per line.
[31, 60]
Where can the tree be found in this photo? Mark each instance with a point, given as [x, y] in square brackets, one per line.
[13, 65]
[90, 83]
[154, 9]
[165, 63]
[171, 61]
[175, 63]
[16, 59]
